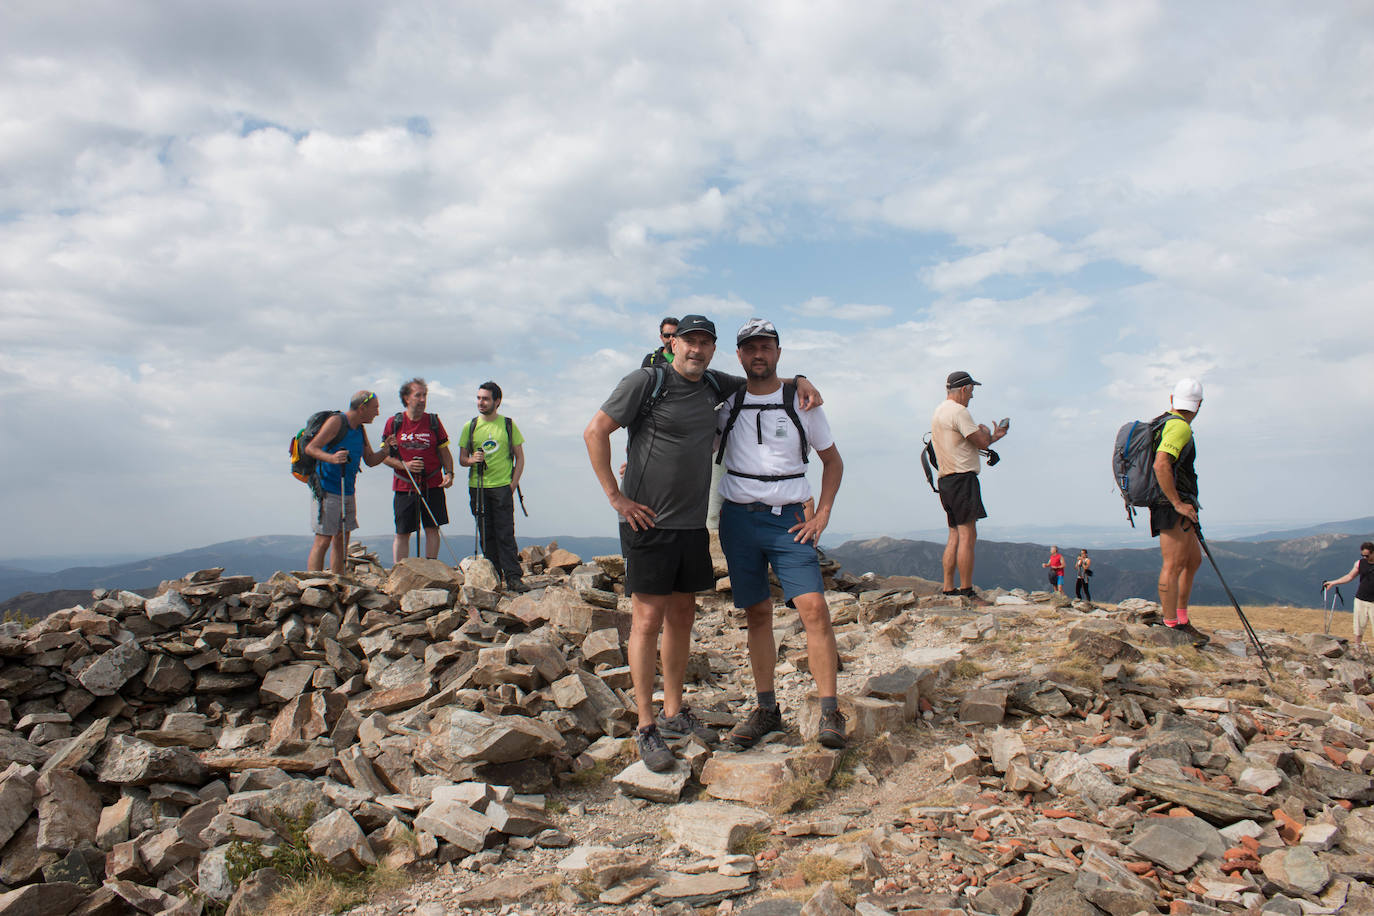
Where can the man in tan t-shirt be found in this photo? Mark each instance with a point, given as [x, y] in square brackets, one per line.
[957, 441]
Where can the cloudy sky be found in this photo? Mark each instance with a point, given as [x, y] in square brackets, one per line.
[216, 218]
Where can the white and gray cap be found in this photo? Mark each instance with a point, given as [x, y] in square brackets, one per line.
[757, 327]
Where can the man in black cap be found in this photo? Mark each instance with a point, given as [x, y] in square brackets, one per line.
[958, 441]
[662, 506]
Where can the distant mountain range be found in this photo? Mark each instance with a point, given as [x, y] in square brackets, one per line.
[1270, 572]
[1280, 567]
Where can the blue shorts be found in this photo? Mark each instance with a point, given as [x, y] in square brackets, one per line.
[752, 537]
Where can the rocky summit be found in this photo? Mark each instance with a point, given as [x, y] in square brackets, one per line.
[1028, 756]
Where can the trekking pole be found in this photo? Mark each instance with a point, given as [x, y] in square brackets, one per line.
[477, 512]
[522, 500]
[1331, 611]
[1249, 630]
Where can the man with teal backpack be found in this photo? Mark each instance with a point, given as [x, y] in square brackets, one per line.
[339, 449]
[492, 446]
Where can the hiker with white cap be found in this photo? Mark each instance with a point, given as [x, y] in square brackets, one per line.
[958, 443]
[1173, 519]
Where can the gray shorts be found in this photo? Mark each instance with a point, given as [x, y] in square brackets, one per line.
[324, 518]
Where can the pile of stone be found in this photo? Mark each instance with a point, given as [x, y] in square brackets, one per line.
[404, 716]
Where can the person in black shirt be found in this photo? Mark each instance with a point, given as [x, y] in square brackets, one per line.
[1364, 595]
[664, 354]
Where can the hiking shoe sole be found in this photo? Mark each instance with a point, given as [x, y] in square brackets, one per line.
[831, 733]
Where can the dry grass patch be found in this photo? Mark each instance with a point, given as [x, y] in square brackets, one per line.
[1250, 695]
[797, 794]
[1272, 617]
[323, 894]
[752, 843]
[818, 869]
[967, 668]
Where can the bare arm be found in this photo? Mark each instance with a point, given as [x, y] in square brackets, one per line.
[597, 437]
[446, 462]
[982, 437]
[1348, 577]
[373, 457]
[832, 472]
[1164, 473]
[327, 434]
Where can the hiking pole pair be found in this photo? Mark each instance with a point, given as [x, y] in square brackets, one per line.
[1331, 610]
[1249, 630]
[479, 515]
[424, 502]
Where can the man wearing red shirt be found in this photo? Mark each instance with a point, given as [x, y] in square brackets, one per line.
[420, 447]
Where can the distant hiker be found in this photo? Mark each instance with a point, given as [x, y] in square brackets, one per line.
[1056, 568]
[1364, 594]
[420, 453]
[957, 441]
[669, 413]
[664, 354]
[763, 522]
[1173, 519]
[1084, 566]
[338, 457]
[493, 448]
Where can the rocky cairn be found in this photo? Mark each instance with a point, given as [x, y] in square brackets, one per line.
[1033, 757]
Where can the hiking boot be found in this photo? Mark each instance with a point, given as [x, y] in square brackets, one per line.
[653, 751]
[974, 598]
[685, 725]
[832, 729]
[1198, 637]
[761, 723]
[517, 585]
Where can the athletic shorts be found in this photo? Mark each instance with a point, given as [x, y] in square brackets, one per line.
[1164, 518]
[962, 498]
[753, 538]
[660, 561]
[1364, 616]
[1056, 579]
[406, 504]
[324, 519]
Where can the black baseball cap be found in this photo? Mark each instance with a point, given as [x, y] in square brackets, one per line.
[690, 323]
[959, 380]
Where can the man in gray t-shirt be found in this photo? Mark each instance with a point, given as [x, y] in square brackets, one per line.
[662, 510]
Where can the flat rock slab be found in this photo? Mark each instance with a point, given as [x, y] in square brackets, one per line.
[700, 890]
[1213, 804]
[53, 899]
[714, 828]
[1166, 847]
[1296, 870]
[641, 782]
[506, 890]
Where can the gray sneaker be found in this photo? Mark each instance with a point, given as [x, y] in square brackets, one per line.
[653, 751]
[831, 732]
[685, 725]
[761, 723]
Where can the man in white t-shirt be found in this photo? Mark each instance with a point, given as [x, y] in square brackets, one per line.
[763, 522]
[958, 441]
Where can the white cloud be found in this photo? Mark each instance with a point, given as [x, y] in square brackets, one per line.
[217, 218]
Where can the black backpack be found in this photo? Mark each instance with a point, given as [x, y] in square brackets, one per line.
[1133, 462]
[788, 404]
[659, 389]
[303, 466]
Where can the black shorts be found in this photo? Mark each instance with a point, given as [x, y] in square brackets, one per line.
[406, 505]
[962, 498]
[1165, 518]
[660, 561]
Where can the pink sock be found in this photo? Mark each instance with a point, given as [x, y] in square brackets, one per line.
[1183, 615]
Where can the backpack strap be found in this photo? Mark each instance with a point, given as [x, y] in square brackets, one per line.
[510, 437]
[928, 463]
[658, 387]
[472, 431]
[789, 406]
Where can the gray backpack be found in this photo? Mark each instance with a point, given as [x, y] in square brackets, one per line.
[1133, 459]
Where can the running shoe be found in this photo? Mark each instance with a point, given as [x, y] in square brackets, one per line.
[761, 723]
[653, 751]
[832, 729]
[1198, 637]
[685, 725]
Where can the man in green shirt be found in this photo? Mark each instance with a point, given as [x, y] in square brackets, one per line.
[492, 446]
